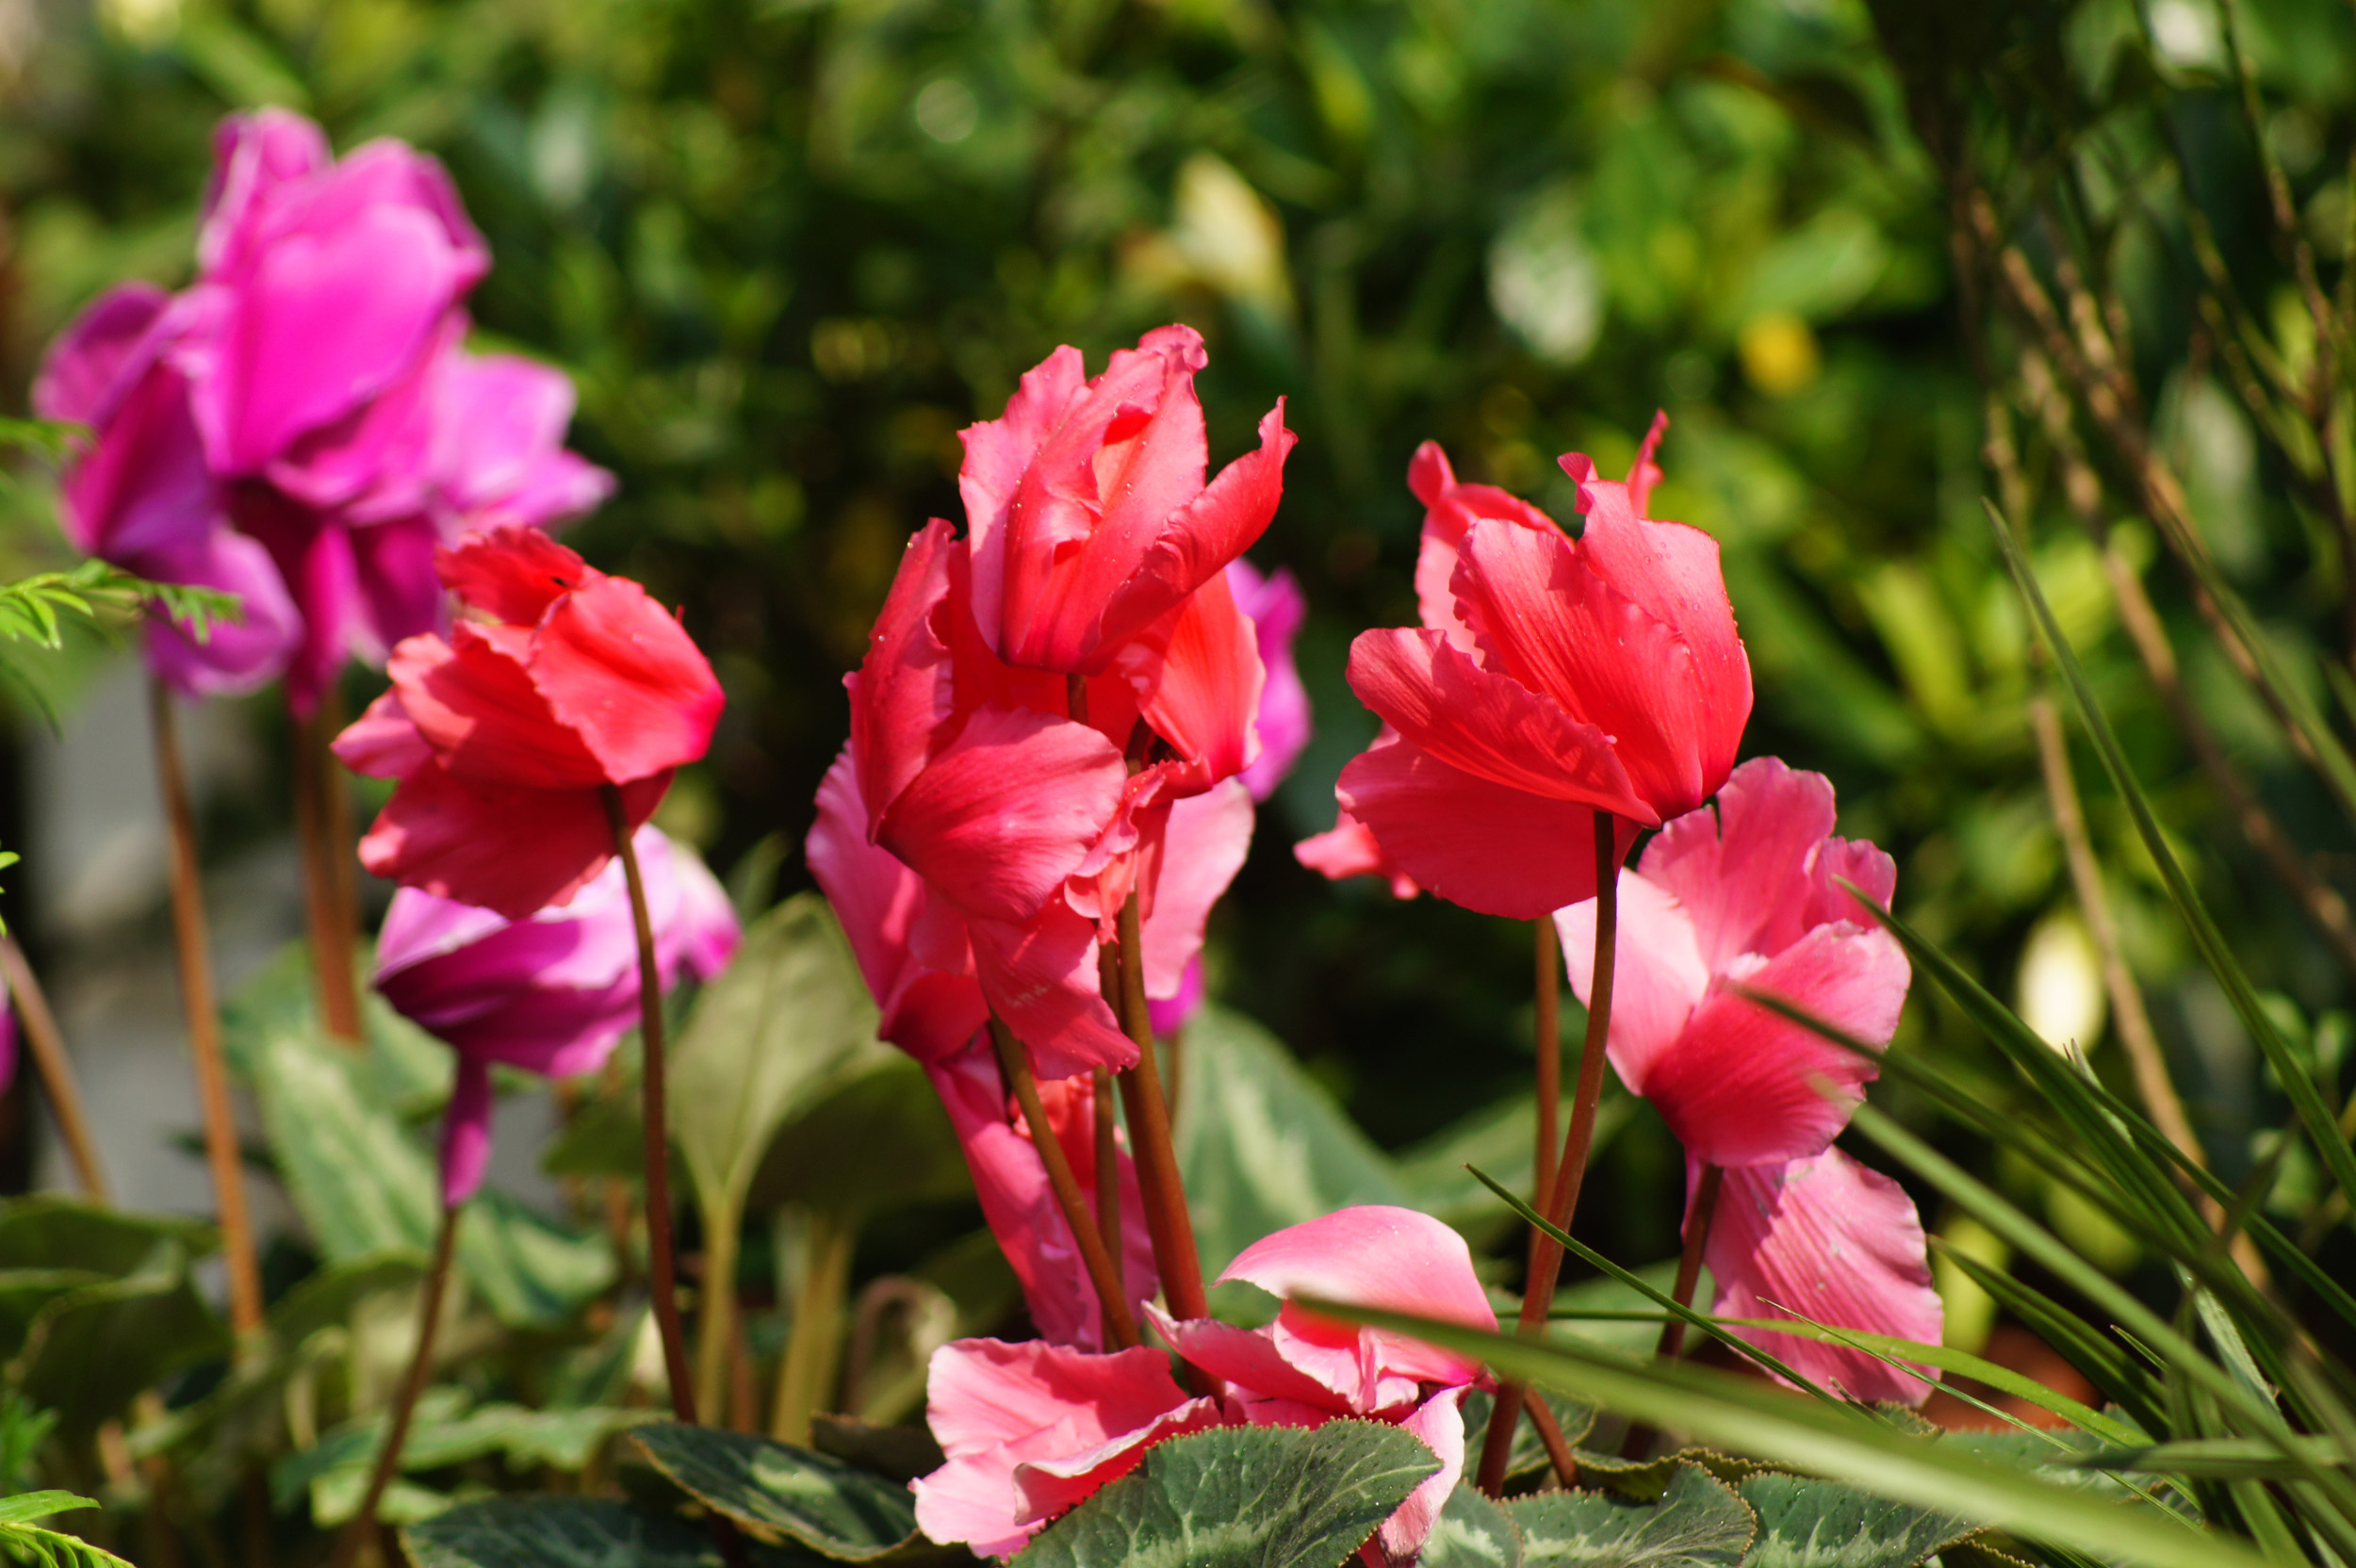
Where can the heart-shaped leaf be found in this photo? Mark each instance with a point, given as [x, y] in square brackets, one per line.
[1807, 1522]
[1695, 1523]
[849, 1515]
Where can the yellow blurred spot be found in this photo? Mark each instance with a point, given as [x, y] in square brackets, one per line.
[1229, 235]
[2061, 983]
[1970, 1312]
[1779, 354]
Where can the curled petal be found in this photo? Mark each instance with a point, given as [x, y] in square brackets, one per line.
[383, 742]
[512, 575]
[1449, 512]
[617, 670]
[1349, 849]
[1439, 1422]
[1198, 681]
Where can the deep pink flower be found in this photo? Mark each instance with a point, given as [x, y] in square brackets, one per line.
[1030, 1431]
[1087, 513]
[1551, 678]
[1010, 1181]
[564, 682]
[143, 497]
[1275, 607]
[1826, 1239]
[322, 285]
[1746, 897]
[1025, 825]
[551, 993]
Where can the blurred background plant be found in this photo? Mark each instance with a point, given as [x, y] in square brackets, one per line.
[1875, 263]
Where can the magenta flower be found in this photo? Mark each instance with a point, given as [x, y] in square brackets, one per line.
[551, 993]
[1748, 897]
[1275, 607]
[143, 497]
[1031, 1431]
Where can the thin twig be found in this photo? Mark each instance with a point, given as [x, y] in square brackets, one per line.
[356, 1528]
[1548, 985]
[1563, 1202]
[222, 1152]
[661, 1264]
[1155, 1151]
[1107, 1180]
[1550, 1434]
[56, 1068]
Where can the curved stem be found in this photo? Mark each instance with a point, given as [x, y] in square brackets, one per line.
[356, 1528]
[221, 1153]
[1158, 1181]
[54, 1066]
[1546, 1264]
[1016, 1067]
[1671, 1342]
[1550, 1434]
[662, 1263]
[1109, 1183]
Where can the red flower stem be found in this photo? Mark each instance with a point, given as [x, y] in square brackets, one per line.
[1108, 1185]
[661, 1264]
[1014, 1063]
[1549, 1048]
[56, 1068]
[356, 1528]
[1546, 1264]
[1551, 1433]
[221, 1153]
[317, 790]
[1671, 1342]
[1158, 1181]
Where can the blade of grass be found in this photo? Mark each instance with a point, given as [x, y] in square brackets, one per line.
[2212, 1456]
[1667, 1303]
[2101, 1359]
[2297, 1083]
[1746, 1416]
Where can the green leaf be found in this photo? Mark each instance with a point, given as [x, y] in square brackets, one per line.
[54, 1548]
[29, 1506]
[443, 1432]
[847, 1514]
[1746, 1416]
[1262, 1146]
[1808, 1523]
[529, 1270]
[90, 1352]
[788, 1020]
[1472, 1532]
[1697, 1522]
[878, 1140]
[1243, 1497]
[567, 1533]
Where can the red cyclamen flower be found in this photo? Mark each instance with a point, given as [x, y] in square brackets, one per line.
[560, 682]
[1551, 678]
[1088, 515]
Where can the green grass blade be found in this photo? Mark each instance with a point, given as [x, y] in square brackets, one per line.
[2306, 1099]
[1708, 1325]
[1744, 1415]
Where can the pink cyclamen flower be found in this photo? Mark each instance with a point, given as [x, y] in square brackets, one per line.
[1826, 1239]
[1089, 519]
[551, 993]
[1029, 1432]
[1748, 897]
[1551, 678]
[142, 499]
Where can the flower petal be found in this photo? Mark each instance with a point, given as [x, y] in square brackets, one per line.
[1439, 1422]
[512, 575]
[513, 850]
[617, 670]
[1658, 975]
[1202, 849]
[1487, 725]
[1484, 845]
[1740, 1087]
[1743, 874]
[1826, 1240]
[1041, 977]
[1449, 510]
[1198, 680]
[467, 1132]
[1276, 609]
[477, 706]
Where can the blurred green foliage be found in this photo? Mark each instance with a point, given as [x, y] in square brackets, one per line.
[789, 247]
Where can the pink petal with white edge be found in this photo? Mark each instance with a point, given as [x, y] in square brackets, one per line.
[994, 1407]
[1741, 1087]
[1376, 1255]
[1202, 848]
[1826, 1239]
[1658, 976]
